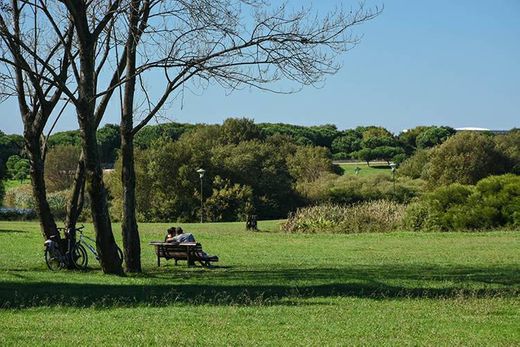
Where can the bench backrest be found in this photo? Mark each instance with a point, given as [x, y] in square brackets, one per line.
[172, 250]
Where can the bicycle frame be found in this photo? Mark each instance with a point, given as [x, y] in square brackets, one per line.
[88, 245]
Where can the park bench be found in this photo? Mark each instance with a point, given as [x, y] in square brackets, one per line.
[189, 251]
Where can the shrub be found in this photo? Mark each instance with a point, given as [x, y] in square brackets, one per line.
[20, 214]
[374, 216]
[60, 166]
[494, 202]
[228, 202]
[415, 165]
[58, 203]
[349, 189]
[20, 197]
[464, 158]
[2, 191]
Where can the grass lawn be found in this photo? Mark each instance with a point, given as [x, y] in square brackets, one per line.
[8, 184]
[374, 168]
[271, 288]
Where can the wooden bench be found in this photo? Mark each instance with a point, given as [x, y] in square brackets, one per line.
[189, 251]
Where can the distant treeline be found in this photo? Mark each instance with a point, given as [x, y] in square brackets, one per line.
[266, 169]
[366, 143]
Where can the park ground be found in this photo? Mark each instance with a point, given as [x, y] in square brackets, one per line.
[271, 288]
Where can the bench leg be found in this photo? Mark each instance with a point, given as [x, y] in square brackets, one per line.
[158, 261]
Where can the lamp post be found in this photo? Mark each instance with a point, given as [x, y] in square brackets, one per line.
[201, 173]
[393, 166]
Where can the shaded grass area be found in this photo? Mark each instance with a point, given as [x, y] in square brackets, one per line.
[272, 288]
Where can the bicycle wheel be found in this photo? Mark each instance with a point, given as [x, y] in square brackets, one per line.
[53, 259]
[80, 257]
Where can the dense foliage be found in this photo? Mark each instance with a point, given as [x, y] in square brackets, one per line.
[464, 158]
[9, 145]
[247, 172]
[272, 169]
[60, 167]
[492, 203]
[351, 189]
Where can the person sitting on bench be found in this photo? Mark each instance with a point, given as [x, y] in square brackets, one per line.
[177, 235]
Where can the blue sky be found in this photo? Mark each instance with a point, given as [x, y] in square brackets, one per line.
[453, 63]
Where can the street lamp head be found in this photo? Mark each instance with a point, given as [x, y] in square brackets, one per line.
[201, 172]
[393, 166]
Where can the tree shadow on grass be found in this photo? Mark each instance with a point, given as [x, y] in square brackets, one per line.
[12, 231]
[270, 287]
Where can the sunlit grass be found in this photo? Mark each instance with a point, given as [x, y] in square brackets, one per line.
[271, 288]
[364, 169]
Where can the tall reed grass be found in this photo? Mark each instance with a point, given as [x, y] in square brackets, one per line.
[373, 216]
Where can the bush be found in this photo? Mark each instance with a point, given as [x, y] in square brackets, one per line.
[20, 197]
[58, 203]
[494, 202]
[374, 216]
[60, 167]
[465, 158]
[2, 192]
[228, 202]
[18, 214]
[415, 165]
[349, 189]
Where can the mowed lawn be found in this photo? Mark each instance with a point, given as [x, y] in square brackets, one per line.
[271, 288]
[365, 170]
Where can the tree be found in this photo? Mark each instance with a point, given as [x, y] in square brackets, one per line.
[9, 146]
[349, 142]
[374, 131]
[108, 143]
[386, 153]
[236, 130]
[34, 63]
[190, 42]
[434, 136]
[63, 138]
[409, 136]
[2, 191]
[228, 202]
[22, 169]
[365, 154]
[416, 165]
[207, 43]
[309, 163]
[464, 158]
[60, 166]
[509, 145]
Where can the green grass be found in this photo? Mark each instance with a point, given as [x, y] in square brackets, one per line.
[373, 169]
[8, 184]
[271, 288]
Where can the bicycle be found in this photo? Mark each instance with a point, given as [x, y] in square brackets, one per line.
[71, 254]
[82, 241]
[65, 253]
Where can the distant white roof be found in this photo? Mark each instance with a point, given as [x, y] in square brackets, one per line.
[472, 129]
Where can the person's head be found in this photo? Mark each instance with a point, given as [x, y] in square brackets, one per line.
[172, 231]
[179, 231]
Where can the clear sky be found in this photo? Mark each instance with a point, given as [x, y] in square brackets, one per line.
[439, 62]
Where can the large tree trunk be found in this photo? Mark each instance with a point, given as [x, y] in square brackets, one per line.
[131, 240]
[105, 242]
[47, 223]
[75, 204]
[129, 229]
